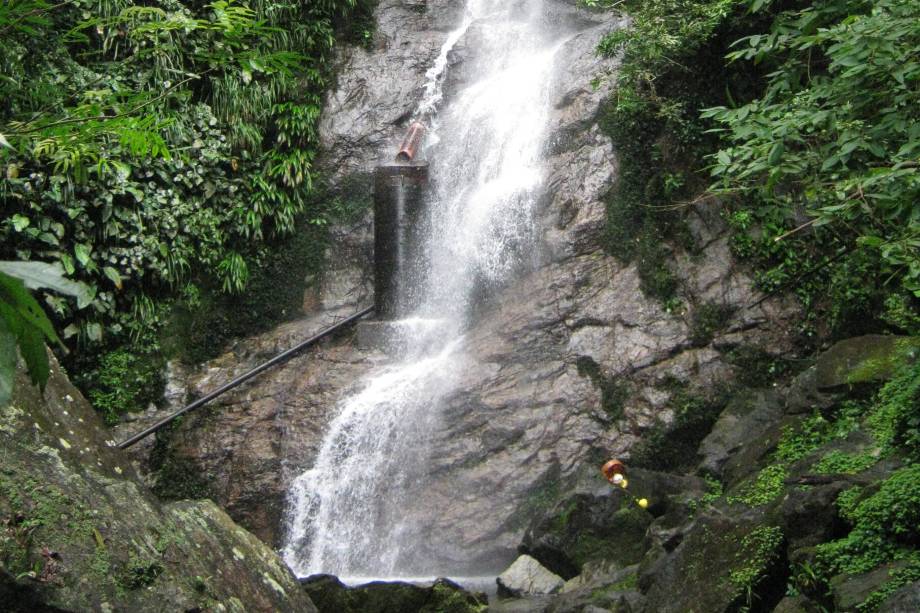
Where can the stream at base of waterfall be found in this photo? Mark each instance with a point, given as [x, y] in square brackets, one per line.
[360, 511]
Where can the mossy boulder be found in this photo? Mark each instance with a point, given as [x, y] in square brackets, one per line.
[444, 596]
[864, 359]
[80, 532]
[606, 525]
[726, 561]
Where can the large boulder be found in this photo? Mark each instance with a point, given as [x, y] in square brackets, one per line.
[606, 526]
[526, 577]
[850, 591]
[745, 431]
[864, 359]
[905, 600]
[727, 559]
[80, 532]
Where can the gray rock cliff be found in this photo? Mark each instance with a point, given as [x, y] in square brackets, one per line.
[535, 402]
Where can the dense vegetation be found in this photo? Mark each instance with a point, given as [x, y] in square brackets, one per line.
[162, 154]
[801, 119]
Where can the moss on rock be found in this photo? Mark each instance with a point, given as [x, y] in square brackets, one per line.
[78, 531]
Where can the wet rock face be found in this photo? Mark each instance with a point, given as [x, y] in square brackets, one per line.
[568, 365]
[79, 532]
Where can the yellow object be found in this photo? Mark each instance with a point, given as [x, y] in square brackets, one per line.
[643, 503]
[624, 483]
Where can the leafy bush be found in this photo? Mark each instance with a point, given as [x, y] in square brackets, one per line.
[124, 381]
[156, 145]
[820, 192]
[160, 153]
[885, 528]
[895, 420]
[808, 144]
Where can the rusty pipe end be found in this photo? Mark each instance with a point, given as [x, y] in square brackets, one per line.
[411, 142]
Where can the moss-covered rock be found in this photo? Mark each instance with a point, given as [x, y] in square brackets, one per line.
[79, 532]
[586, 527]
[864, 359]
[726, 561]
[333, 596]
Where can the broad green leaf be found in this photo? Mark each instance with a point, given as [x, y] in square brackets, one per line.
[43, 275]
[776, 153]
[82, 252]
[94, 332]
[15, 296]
[20, 222]
[113, 275]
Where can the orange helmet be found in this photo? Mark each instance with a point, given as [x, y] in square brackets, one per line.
[613, 467]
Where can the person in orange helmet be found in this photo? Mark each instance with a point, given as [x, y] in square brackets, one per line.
[614, 471]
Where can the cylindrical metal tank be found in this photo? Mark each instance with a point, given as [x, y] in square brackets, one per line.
[398, 197]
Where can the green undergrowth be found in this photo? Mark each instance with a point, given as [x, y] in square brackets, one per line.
[163, 155]
[703, 117]
[761, 550]
[882, 518]
[885, 530]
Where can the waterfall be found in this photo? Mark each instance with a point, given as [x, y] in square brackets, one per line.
[348, 514]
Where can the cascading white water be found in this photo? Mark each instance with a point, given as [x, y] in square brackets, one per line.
[348, 514]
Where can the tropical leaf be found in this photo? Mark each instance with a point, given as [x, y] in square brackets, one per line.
[44, 275]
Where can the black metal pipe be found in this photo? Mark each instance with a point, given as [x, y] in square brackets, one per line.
[278, 359]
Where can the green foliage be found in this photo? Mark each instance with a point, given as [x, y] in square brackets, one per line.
[838, 462]
[159, 145]
[23, 323]
[808, 143]
[885, 527]
[763, 489]
[124, 381]
[896, 580]
[761, 549]
[707, 319]
[895, 419]
[818, 186]
[797, 442]
[613, 394]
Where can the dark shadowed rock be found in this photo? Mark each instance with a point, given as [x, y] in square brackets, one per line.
[905, 600]
[607, 526]
[809, 515]
[702, 574]
[80, 532]
[796, 604]
[604, 591]
[750, 420]
[444, 596]
[803, 395]
[850, 591]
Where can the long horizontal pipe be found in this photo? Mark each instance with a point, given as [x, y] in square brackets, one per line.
[278, 359]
